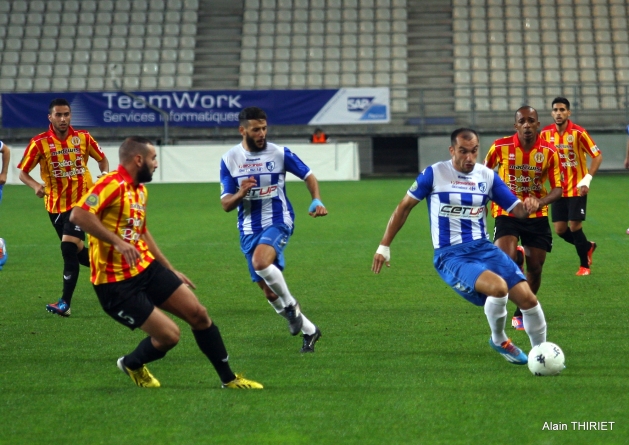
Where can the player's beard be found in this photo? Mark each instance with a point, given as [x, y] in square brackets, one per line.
[251, 144]
[144, 174]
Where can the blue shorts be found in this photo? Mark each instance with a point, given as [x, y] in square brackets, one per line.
[461, 265]
[276, 236]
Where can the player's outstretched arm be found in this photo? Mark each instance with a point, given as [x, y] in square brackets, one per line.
[316, 208]
[92, 225]
[159, 256]
[396, 222]
[230, 202]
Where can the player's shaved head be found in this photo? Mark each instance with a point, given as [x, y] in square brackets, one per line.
[466, 134]
[132, 146]
[528, 108]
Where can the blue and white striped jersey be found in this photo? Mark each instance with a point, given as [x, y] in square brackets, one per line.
[266, 204]
[456, 201]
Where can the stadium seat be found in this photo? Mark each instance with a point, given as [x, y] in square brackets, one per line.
[24, 84]
[7, 70]
[130, 83]
[59, 83]
[148, 83]
[97, 70]
[28, 57]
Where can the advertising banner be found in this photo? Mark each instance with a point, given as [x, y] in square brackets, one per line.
[202, 108]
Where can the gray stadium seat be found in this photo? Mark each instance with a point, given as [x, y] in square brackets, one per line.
[148, 83]
[59, 83]
[7, 84]
[24, 84]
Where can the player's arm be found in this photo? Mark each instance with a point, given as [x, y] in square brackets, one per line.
[91, 224]
[316, 206]
[231, 201]
[27, 179]
[584, 184]
[159, 256]
[627, 156]
[6, 157]
[103, 165]
[396, 222]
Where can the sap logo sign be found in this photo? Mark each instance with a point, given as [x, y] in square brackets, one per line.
[358, 103]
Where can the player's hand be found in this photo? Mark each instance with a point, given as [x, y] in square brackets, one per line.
[185, 279]
[101, 174]
[583, 190]
[3, 178]
[317, 209]
[247, 185]
[129, 252]
[531, 204]
[41, 191]
[382, 256]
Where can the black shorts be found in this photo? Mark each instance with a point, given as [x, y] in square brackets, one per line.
[130, 302]
[63, 226]
[569, 209]
[532, 232]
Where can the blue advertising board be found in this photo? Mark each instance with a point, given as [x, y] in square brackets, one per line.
[202, 108]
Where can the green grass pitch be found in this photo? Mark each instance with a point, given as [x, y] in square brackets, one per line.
[402, 360]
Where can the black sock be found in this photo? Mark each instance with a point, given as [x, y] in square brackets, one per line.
[568, 236]
[583, 247]
[143, 354]
[211, 344]
[518, 312]
[84, 257]
[70, 269]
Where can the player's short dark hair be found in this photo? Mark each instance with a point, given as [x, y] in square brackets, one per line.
[561, 100]
[59, 102]
[250, 113]
[132, 146]
[466, 133]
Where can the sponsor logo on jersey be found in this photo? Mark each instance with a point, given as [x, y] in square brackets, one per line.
[358, 103]
[270, 166]
[92, 200]
[461, 211]
[257, 193]
[414, 186]
[482, 186]
[595, 149]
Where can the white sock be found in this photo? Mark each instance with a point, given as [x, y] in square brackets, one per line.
[274, 278]
[496, 312]
[308, 327]
[535, 324]
[277, 305]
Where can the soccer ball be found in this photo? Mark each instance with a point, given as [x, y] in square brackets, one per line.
[546, 359]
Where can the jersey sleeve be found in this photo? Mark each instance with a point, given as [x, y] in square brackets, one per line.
[502, 195]
[100, 195]
[490, 158]
[93, 149]
[423, 185]
[229, 186]
[589, 145]
[294, 165]
[30, 158]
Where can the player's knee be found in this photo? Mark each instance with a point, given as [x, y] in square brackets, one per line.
[200, 318]
[168, 339]
[498, 289]
[260, 262]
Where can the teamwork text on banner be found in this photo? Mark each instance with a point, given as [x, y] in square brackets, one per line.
[202, 108]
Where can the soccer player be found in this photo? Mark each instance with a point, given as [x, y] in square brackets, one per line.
[568, 213]
[627, 160]
[456, 192]
[253, 180]
[62, 154]
[525, 162]
[6, 157]
[133, 280]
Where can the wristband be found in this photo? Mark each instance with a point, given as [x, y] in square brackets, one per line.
[314, 204]
[585, 181]
[385, 251]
